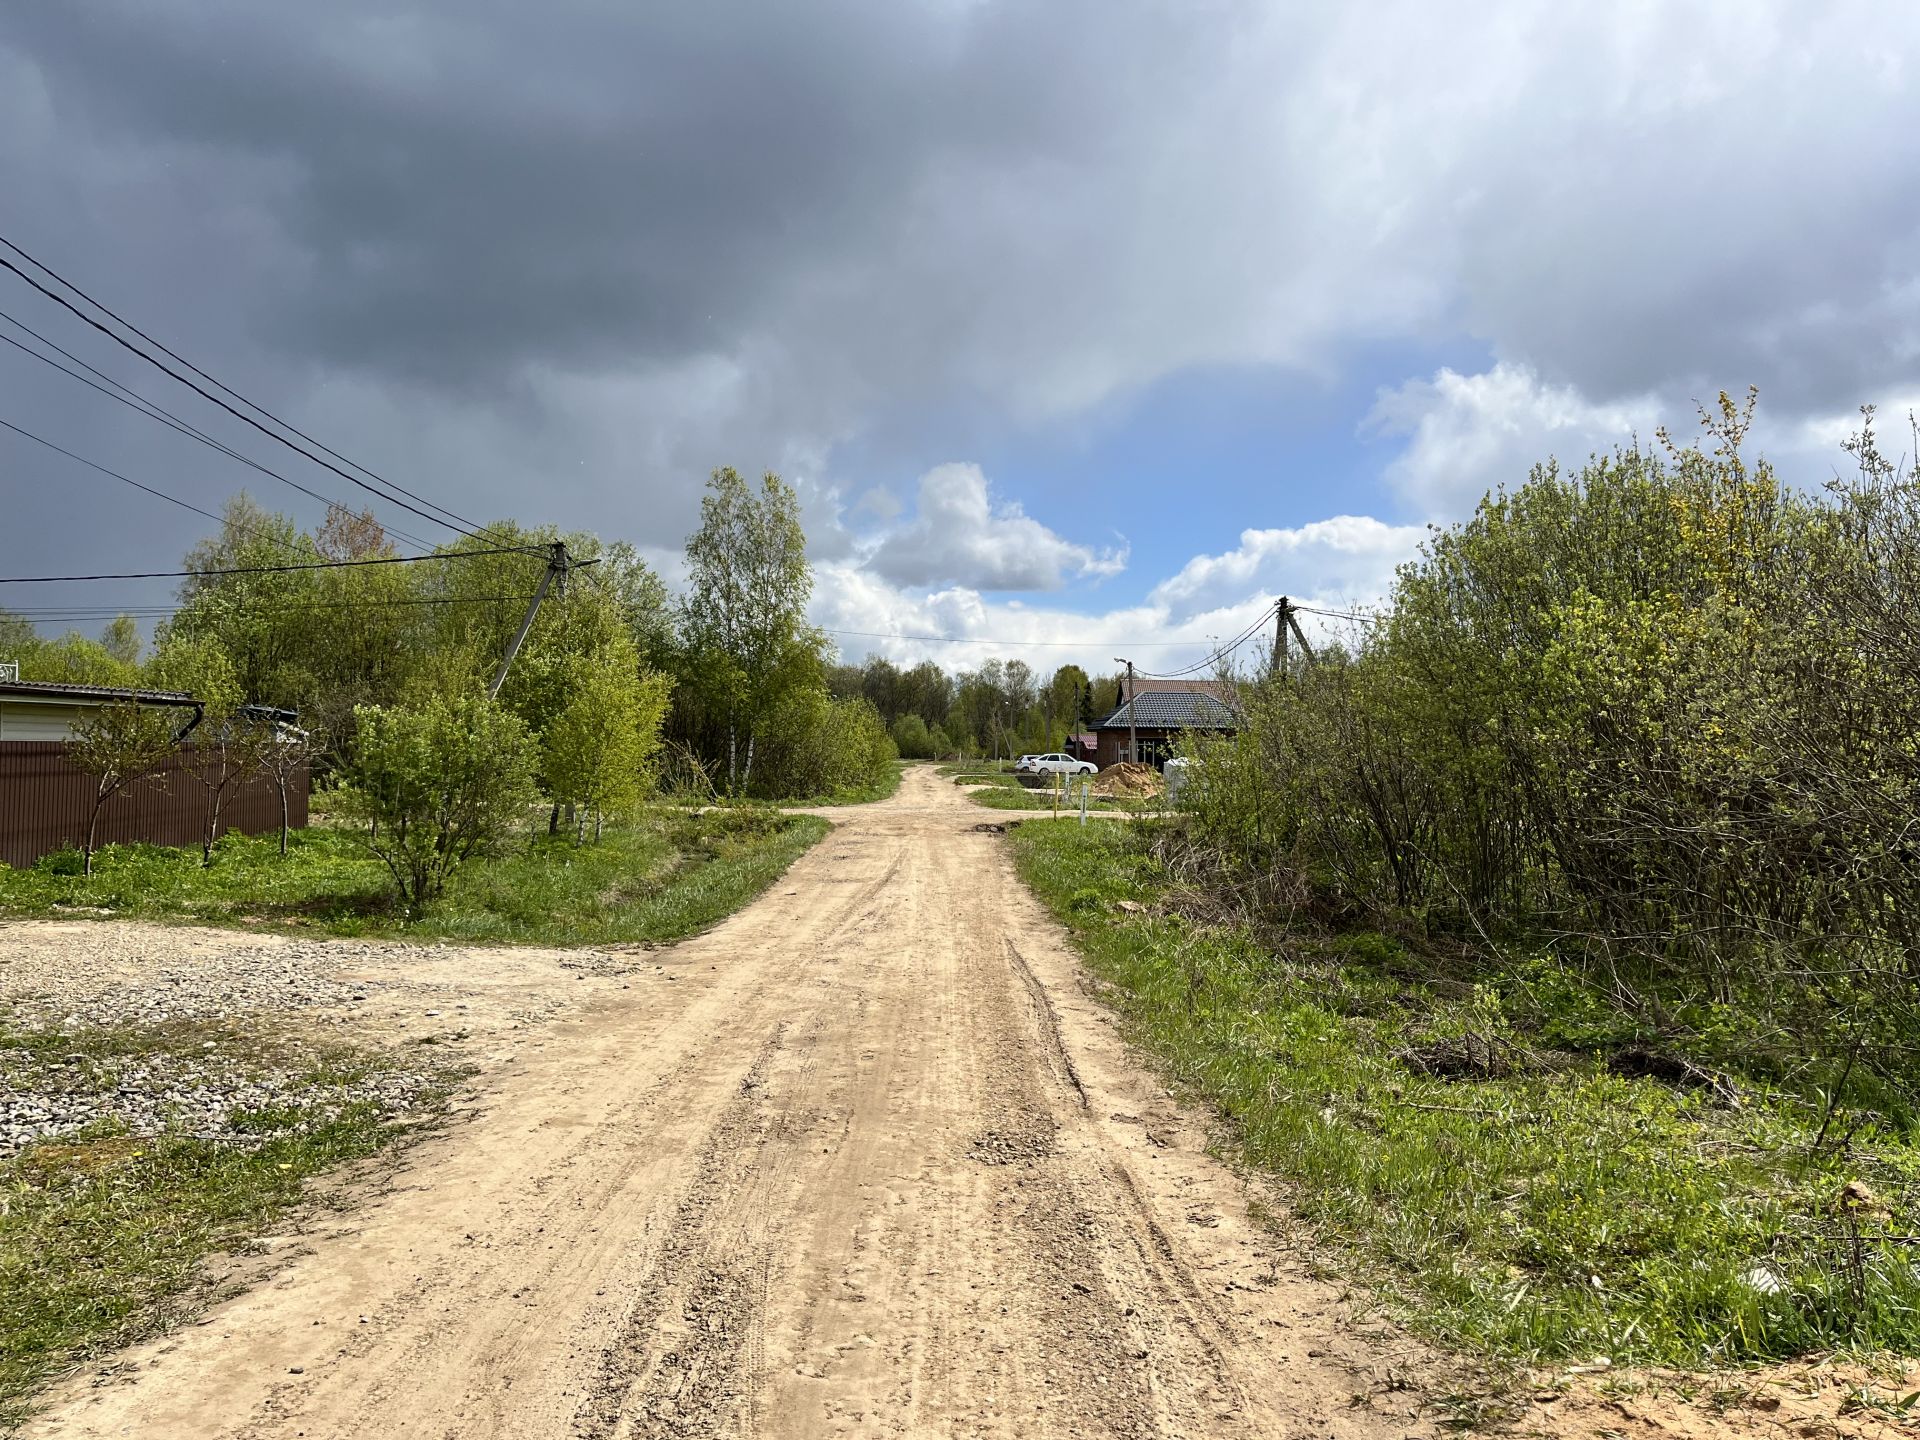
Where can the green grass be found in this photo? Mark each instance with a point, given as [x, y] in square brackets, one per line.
[667, 875]
[104, 1235]
[1005, 792]
[1015, 798]
[1558, 1211]
[881, 789]
[998, 779]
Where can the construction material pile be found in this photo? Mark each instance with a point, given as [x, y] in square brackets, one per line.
[1127, 778]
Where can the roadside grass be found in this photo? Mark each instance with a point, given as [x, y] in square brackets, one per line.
[665, 876]
[1018, 799]
[104, 1235]
[881, 789]
[1503, 1188]
[1005, 792]
[998, 779]
[977, 767]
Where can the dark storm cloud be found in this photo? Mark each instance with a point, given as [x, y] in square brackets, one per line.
[558, 260]
[479, 186]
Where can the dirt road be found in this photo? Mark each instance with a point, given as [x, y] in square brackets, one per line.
[865, 1160]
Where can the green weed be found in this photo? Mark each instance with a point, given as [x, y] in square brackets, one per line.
[104, 1235]
[665, 876]
[1508, 1195]
[882, 789]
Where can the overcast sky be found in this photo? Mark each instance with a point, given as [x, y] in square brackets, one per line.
[1097, 324]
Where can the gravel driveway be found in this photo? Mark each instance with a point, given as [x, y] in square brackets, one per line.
[203, 1031]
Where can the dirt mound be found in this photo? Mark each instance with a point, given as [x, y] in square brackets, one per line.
[1127, 778]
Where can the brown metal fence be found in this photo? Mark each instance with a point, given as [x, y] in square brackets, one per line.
[44, 803]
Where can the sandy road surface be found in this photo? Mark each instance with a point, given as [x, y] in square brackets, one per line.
[866, 1160]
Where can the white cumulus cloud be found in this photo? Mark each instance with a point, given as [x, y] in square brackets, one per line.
[1348, 559]
[959, 535]
[1468, 434]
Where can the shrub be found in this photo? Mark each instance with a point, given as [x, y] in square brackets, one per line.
[812, 745]
[599, 750]
[1657, 714]
[912, 739]
[438, 785]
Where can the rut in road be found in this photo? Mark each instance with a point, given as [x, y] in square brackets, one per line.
[864, 1160]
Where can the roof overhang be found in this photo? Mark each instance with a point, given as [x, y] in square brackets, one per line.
[29, 692]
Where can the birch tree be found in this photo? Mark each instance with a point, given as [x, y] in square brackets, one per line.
[745, 624]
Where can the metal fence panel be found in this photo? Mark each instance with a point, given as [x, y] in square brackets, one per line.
[44, 802]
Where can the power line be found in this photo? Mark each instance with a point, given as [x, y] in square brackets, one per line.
[1360, 616]
[1252, 631]
[160, 612]
[294, 429]
[123, 342]
[1220, 652]
[25, 433]
[93, 465]
[263, 569]
[141, 404]
[1013, 644]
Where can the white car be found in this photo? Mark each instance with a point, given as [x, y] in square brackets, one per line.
[1055, 765]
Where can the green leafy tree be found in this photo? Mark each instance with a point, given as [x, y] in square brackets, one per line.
[818, 746]
[16, 635]
[747, 646]
[276, 629]
[438, 785]
[1061, 699]
[229, 745]
[911, 738]
[121, 640]
[73, 659]
[598, 753]
[119, 745]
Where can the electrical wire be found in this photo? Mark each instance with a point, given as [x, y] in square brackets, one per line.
[1220, 652]
[162, 612]
[1358, 616]
[465, 528]
[263, 569]
[94, 465]
[1013, 644]
[285, 545]
[483, 531]
[134, 400]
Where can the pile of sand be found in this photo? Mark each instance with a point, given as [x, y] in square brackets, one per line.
[1127, 778]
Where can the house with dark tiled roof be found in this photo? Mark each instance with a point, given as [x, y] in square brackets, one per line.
[1156, 718]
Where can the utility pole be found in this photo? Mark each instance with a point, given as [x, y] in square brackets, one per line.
[1286, 629]
[558, 564]
[1133, 736]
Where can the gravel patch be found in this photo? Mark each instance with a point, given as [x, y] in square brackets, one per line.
[89, 972]
[225, 1024]
[192, 979]
[206, 1097]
